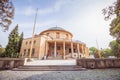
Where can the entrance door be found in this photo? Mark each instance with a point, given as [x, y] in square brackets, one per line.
[69, 50]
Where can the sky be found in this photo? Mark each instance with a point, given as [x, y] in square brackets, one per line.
[83, 18]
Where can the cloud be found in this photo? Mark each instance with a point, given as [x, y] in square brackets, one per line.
[45, 11]
[30, 24]
[27, 27]
[27, 11]
[30, 10]
[59, 4]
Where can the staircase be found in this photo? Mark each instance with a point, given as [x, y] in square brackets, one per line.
[60, 57]
[50, 65]
[51, 62]
[49, 68]
[54, 58]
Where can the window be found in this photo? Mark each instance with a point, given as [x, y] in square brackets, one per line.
[80, 56]
[66, 36]
[33, 51]
[30, 42]
[24, 52]
[52, 47]
[47, 34]
[69, 50]
[58, 47]
[65, 48]
[57, 35]
[28, 52]
[74, 50]
[26, 42]
[34, 41]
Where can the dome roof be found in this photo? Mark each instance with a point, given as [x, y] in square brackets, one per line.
[56, 28]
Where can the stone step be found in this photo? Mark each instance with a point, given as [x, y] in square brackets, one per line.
[54, 58]
[44, 67]
[51, 62]
[49, 68]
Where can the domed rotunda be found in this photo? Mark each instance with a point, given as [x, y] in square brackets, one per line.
[54, 43]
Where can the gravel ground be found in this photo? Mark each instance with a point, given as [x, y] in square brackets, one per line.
[95, 74]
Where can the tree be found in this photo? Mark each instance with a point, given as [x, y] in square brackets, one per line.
[97, 54]
[92, 50]
[2, 50]
[115, 47]
[20, 42]
[0, 45]
[6, 13]
[12, 47]
[115, 29]
[105, 53]
[115, 24]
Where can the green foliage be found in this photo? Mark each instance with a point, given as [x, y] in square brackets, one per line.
[115, 47]
[92, 50]
[115, 28]
[115, 24]
[14, 44]
[2, 51]
[20, 41]
[12, 47]
[105, 53]
[112, 10]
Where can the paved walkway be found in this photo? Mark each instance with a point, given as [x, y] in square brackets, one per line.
[51, 62]
[95, 74]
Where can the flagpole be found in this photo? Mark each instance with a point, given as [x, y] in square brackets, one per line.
[97, 44]
[33, 35]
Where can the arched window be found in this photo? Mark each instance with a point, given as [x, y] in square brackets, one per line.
[57, 35]
[66, 36]
[47, 34]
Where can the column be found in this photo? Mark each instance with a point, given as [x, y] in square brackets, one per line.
[45, 51]
[82, 51]
[63, 49]
[78, 50]
[39, 49]
[55, 49]
[85, 52]
[71, 48]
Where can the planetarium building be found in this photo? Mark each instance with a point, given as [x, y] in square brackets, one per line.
[54, 43]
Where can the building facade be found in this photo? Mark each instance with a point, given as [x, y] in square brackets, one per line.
[54, 43]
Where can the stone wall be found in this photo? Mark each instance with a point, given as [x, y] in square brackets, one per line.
[9, 63]
[99, 63]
